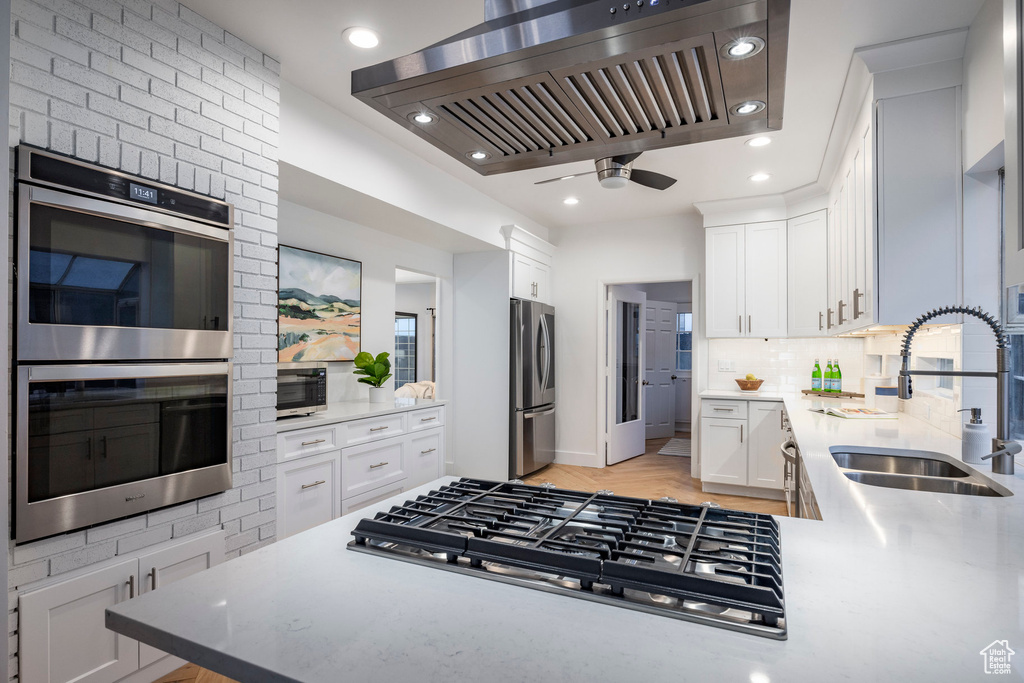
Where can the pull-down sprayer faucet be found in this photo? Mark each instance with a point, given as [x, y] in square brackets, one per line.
[1003, 448]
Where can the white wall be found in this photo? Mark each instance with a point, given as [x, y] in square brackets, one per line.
[417, 298]
[380, 254]
[983, 84]
[320, 139]
[785, 365]
[588, 258]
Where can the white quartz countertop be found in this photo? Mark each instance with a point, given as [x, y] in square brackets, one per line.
[892, 585]
[344, 411]
[743, 395]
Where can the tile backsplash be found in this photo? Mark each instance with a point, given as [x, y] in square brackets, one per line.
[784, 364]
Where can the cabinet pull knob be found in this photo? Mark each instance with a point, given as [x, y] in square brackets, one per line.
[427, 419]
[315, 483]
[153, 579]
[380, 464]
[310, 443]
[131, 586]
[377, 429]
[429, 450]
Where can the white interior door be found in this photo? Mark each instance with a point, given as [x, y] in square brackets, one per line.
[623, 373]
[659, 369]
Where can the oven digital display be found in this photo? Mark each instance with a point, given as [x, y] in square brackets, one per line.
[142, 193]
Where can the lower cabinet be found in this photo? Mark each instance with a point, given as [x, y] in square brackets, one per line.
[741, 448]
[62, 632]
[314, 489]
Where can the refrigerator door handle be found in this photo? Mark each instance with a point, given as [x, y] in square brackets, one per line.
[528, 416]
[547, 355]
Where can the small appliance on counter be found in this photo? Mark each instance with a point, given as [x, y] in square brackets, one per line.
[301, 389]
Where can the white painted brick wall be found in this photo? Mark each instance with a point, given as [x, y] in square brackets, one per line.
[152, 88]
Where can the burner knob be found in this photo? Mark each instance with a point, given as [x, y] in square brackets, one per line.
[516, 481]
[668, 499]
[613, 10]
[709, 504]
[625, 8]
[606, 492]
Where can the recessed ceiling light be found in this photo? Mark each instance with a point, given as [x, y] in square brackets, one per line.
[747, 108]
[759, 142]
[361, 37]
[570, 201]
[760, 177]
[479, 156]
[422, 117]
[742, 48]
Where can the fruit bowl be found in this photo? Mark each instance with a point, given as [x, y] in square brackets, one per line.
[749, 384]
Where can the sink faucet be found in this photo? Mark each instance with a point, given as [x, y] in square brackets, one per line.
[1003, 448]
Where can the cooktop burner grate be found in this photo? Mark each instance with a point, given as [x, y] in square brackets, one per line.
[695, 562]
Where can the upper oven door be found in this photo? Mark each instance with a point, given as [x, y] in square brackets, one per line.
[98, 280]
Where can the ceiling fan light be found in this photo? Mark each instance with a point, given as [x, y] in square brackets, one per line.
[614, 182]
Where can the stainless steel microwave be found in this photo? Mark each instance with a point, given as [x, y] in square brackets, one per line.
[115, 267]
[301, 388]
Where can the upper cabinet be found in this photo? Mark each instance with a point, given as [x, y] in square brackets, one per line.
[746, 280]
[530, 260]
[808, 274]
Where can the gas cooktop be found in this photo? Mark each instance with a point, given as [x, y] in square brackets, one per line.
[700, 563]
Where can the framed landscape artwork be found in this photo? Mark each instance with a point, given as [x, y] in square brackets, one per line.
[317, 306]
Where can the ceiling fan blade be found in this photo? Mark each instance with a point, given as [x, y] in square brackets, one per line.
[564, 177]
[651, 179]
[624, 159]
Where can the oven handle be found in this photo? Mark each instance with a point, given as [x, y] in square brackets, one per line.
[56, 373]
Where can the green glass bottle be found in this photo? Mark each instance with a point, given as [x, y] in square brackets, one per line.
[837, 378]
[816, 376]
[827, 384]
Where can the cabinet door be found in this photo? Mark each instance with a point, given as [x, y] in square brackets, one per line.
[426, 457]
[723, 451]
[368, 467]
[864, 231]
[62, 634]
[765, 279]
[725, 282]
[522, 276]
[308, 493]
[157, 569]
[808, 275]
[765, 461]
[541, 282]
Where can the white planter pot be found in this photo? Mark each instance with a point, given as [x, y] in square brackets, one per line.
[380, 394]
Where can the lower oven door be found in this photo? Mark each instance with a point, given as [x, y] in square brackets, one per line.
[100, 442]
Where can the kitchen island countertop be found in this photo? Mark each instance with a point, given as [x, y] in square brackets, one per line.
[891, 584]
[346, 411]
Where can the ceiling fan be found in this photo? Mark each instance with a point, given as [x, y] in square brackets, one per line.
[616, 172]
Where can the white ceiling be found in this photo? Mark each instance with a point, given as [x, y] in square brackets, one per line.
[305, 35]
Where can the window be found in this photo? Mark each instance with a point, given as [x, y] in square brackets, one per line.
[404, 366]
[684, 341]
[946, 365]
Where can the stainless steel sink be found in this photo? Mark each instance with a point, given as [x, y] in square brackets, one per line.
[913, 471]
[914, 483]
[894, 464]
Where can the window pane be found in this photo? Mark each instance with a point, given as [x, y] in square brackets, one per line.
[404, 365]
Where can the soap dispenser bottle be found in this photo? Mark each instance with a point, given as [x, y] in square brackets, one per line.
[976, 440]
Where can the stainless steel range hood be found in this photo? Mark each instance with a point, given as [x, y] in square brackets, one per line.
[545, 82]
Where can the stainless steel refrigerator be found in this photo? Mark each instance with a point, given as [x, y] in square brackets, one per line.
[532, 423]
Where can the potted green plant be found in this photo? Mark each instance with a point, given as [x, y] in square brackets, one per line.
[375, 371]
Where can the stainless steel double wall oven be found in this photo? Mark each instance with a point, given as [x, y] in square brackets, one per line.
[122, 381]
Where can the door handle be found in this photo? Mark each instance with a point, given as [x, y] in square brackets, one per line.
[530, 416]
[315, 483]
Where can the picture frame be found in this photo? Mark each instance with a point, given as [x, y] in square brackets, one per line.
[319, 306]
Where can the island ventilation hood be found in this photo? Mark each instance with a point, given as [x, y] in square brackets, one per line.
[545, 82]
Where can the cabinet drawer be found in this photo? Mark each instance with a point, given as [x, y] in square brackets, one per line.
[303, 442]
[371, 497]
[426, 419]
[374, 428]
[426, 457]
[307, 493]
[365, 468]
[726, 409]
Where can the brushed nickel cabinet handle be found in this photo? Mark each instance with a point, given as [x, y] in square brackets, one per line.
[153, 579]
[750, 325]
[821, 325]
[741, 433]
[310, 443]
[857, 311]
[741, 323]
[427, 419]
[725, 410]
[429, 450]
[377, 429]
[380, 464]
[131, 586]
[315, 483]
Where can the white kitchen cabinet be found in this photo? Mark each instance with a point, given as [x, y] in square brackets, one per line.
[354, 503]
[367, 467]
[62, 631]
[766, 465]
[426, 457]
[808, 274]
[746, 280]
[739, 447]
[308, 492]
[531, 279]
[723, 450]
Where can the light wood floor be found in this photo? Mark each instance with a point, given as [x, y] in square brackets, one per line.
[646, 476]
[650, 476]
